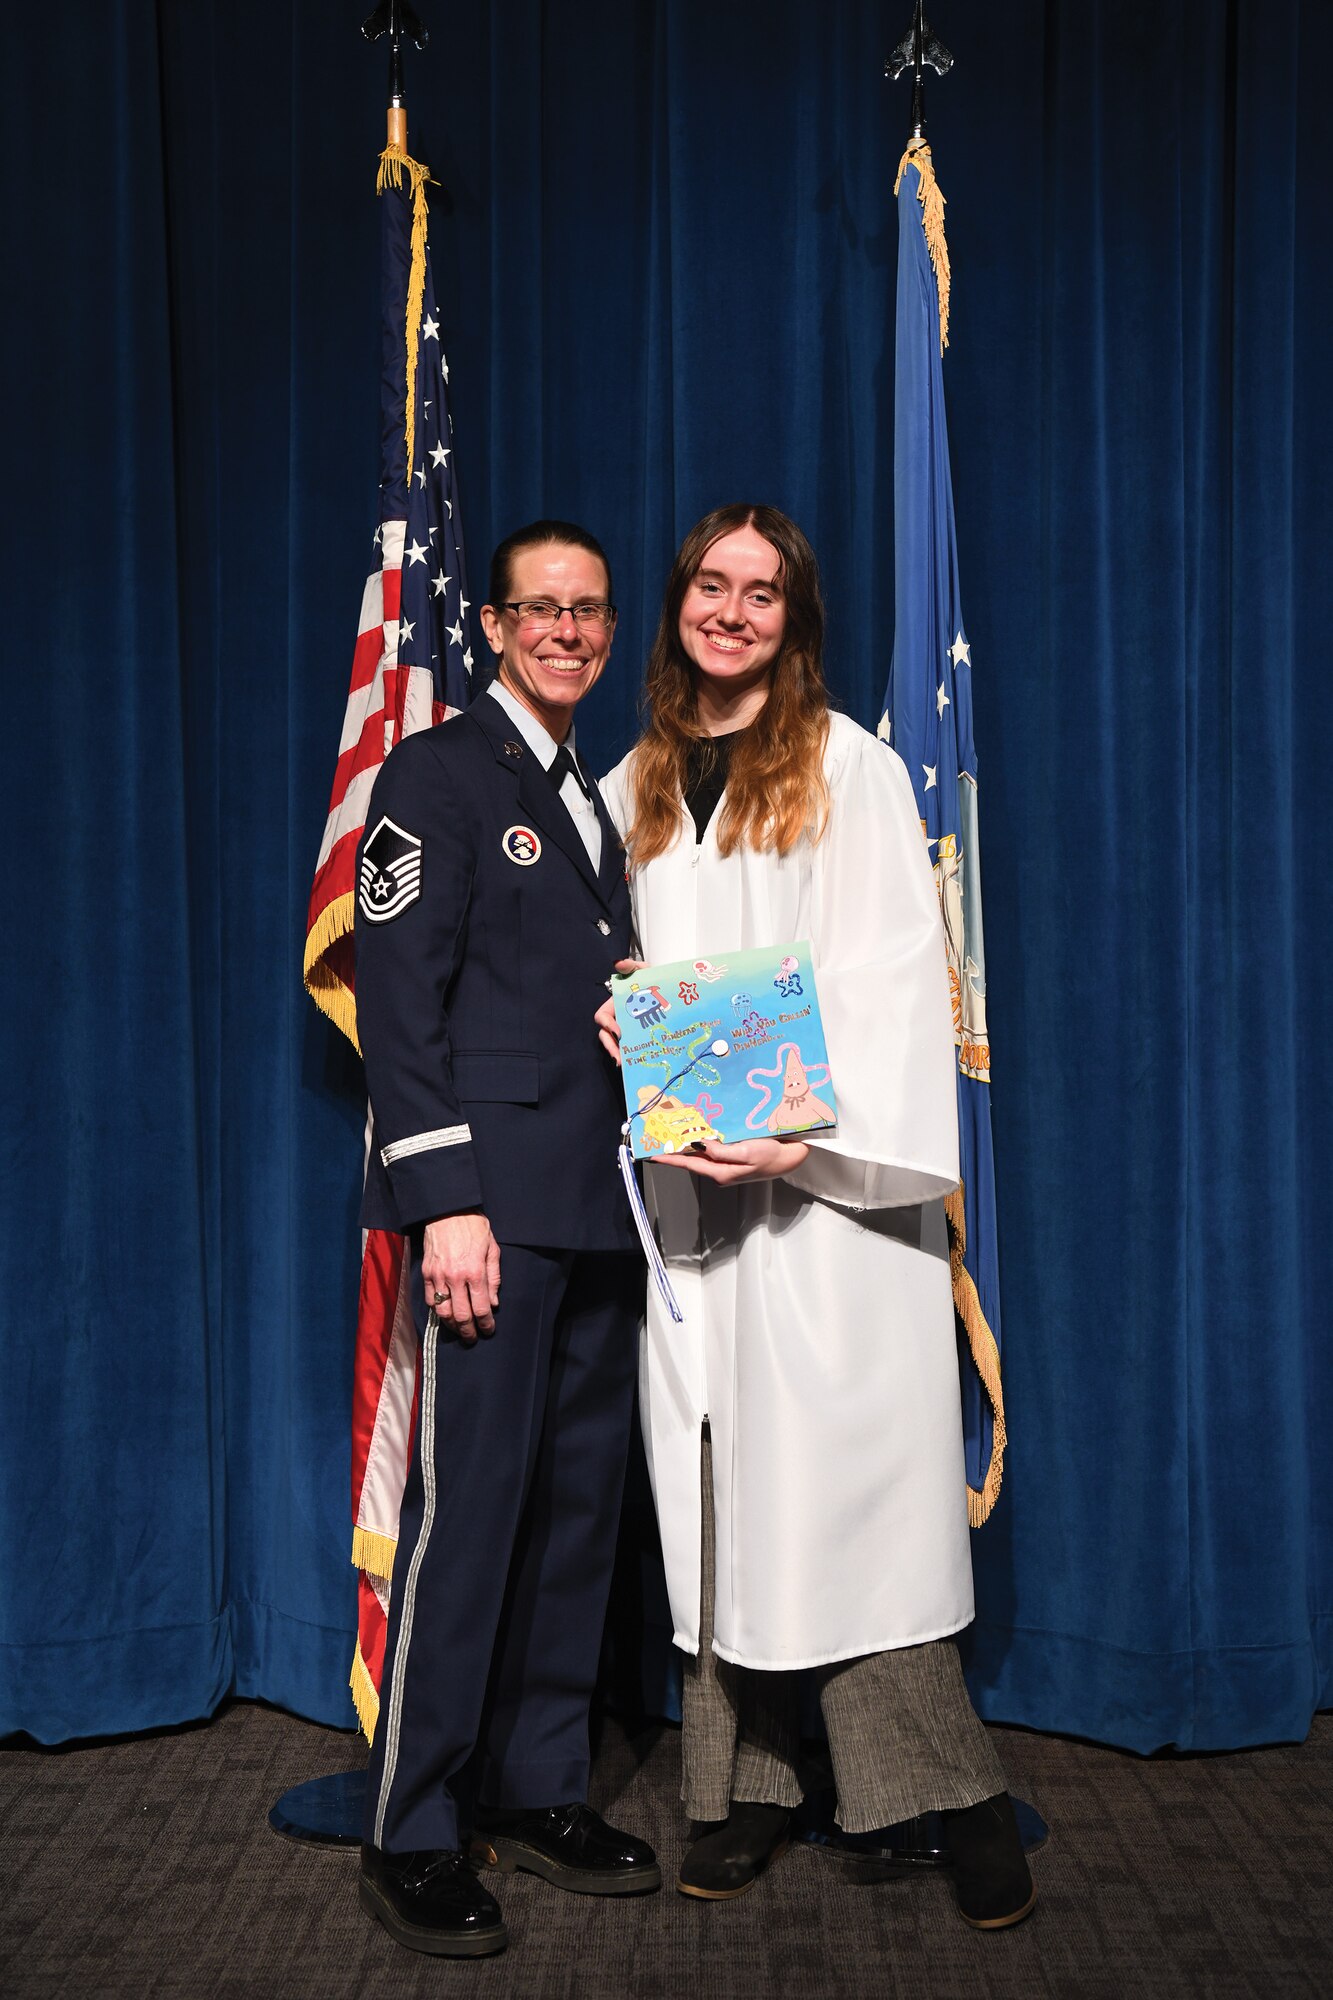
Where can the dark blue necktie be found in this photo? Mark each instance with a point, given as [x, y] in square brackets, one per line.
[565, 760]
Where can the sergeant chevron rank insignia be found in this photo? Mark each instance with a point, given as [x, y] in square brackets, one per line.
[390, 872]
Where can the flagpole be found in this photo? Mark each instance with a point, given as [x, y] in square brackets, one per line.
[329, 1812]
[919, 49]
[922, 1840]
[397, 20]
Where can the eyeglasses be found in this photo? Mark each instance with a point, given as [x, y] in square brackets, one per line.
[542, 615]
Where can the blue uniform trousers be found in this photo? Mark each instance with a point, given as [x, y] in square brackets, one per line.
[506, 1543]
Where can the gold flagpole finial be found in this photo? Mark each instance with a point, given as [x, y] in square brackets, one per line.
[396, 19]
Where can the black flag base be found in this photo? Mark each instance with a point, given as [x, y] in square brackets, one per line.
[324, 1812]
[327, 1812]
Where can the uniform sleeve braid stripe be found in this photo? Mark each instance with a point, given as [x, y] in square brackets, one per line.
[426, 1142]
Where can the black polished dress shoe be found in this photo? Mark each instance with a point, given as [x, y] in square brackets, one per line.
[992, 1881]
[571, 1846]
[432, 1901]
[729, 1857]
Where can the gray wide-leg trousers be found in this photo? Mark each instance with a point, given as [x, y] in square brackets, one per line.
[903, 1736]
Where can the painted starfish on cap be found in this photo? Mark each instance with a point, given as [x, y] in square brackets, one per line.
[798, 1108]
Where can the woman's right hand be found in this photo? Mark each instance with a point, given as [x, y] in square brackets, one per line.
[460, 1269]
[608, 1034]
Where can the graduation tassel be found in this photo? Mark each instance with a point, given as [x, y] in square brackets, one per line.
[645, 1229]
[626, 1159]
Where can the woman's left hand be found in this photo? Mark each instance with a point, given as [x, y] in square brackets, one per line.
[749, 1160]
[608, 1033]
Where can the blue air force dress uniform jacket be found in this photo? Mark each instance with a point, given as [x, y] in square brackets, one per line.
[484, 938]
[484, 941]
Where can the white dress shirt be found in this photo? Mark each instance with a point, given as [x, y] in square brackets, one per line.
[544, 747]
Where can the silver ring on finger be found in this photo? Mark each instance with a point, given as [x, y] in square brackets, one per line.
[439, 1298]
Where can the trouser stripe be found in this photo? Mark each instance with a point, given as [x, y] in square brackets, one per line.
[427, 1449]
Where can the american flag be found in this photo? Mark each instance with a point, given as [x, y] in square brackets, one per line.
[411, 667]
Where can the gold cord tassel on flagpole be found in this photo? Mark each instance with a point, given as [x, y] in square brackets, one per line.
[395, 160]
[931, 197]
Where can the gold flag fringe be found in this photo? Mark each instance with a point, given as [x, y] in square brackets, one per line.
[931, 197]
[323, 985]
[365, 1697]
[985, 1357]
[394, 163]
[373, 1552]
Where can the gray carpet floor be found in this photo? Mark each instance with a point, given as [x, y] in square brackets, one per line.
[146, 1866]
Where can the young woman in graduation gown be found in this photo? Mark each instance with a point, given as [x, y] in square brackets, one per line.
[803, 1424]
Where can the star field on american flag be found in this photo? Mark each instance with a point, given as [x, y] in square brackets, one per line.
[432, 620]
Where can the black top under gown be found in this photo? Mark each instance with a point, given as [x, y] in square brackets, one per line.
[706, 770]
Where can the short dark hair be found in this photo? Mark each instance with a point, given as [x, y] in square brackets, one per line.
[539, 535]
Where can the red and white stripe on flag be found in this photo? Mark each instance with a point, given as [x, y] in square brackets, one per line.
[385, 702]
[383, 1420]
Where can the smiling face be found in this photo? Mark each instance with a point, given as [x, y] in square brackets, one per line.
[551, 670]
[734, 614]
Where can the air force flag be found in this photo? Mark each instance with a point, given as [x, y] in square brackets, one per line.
[928, 720]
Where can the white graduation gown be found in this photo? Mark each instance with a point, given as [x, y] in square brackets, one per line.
[819, 1331]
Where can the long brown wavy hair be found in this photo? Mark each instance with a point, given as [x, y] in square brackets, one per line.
[776, 790]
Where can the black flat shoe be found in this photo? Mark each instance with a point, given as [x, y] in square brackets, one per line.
[727, 1860]
[992, 1881]
[571, 1846]
[431, 1901]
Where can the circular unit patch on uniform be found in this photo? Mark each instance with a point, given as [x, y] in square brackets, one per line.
[521, 844]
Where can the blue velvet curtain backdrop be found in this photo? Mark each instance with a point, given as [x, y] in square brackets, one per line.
[665, 243]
